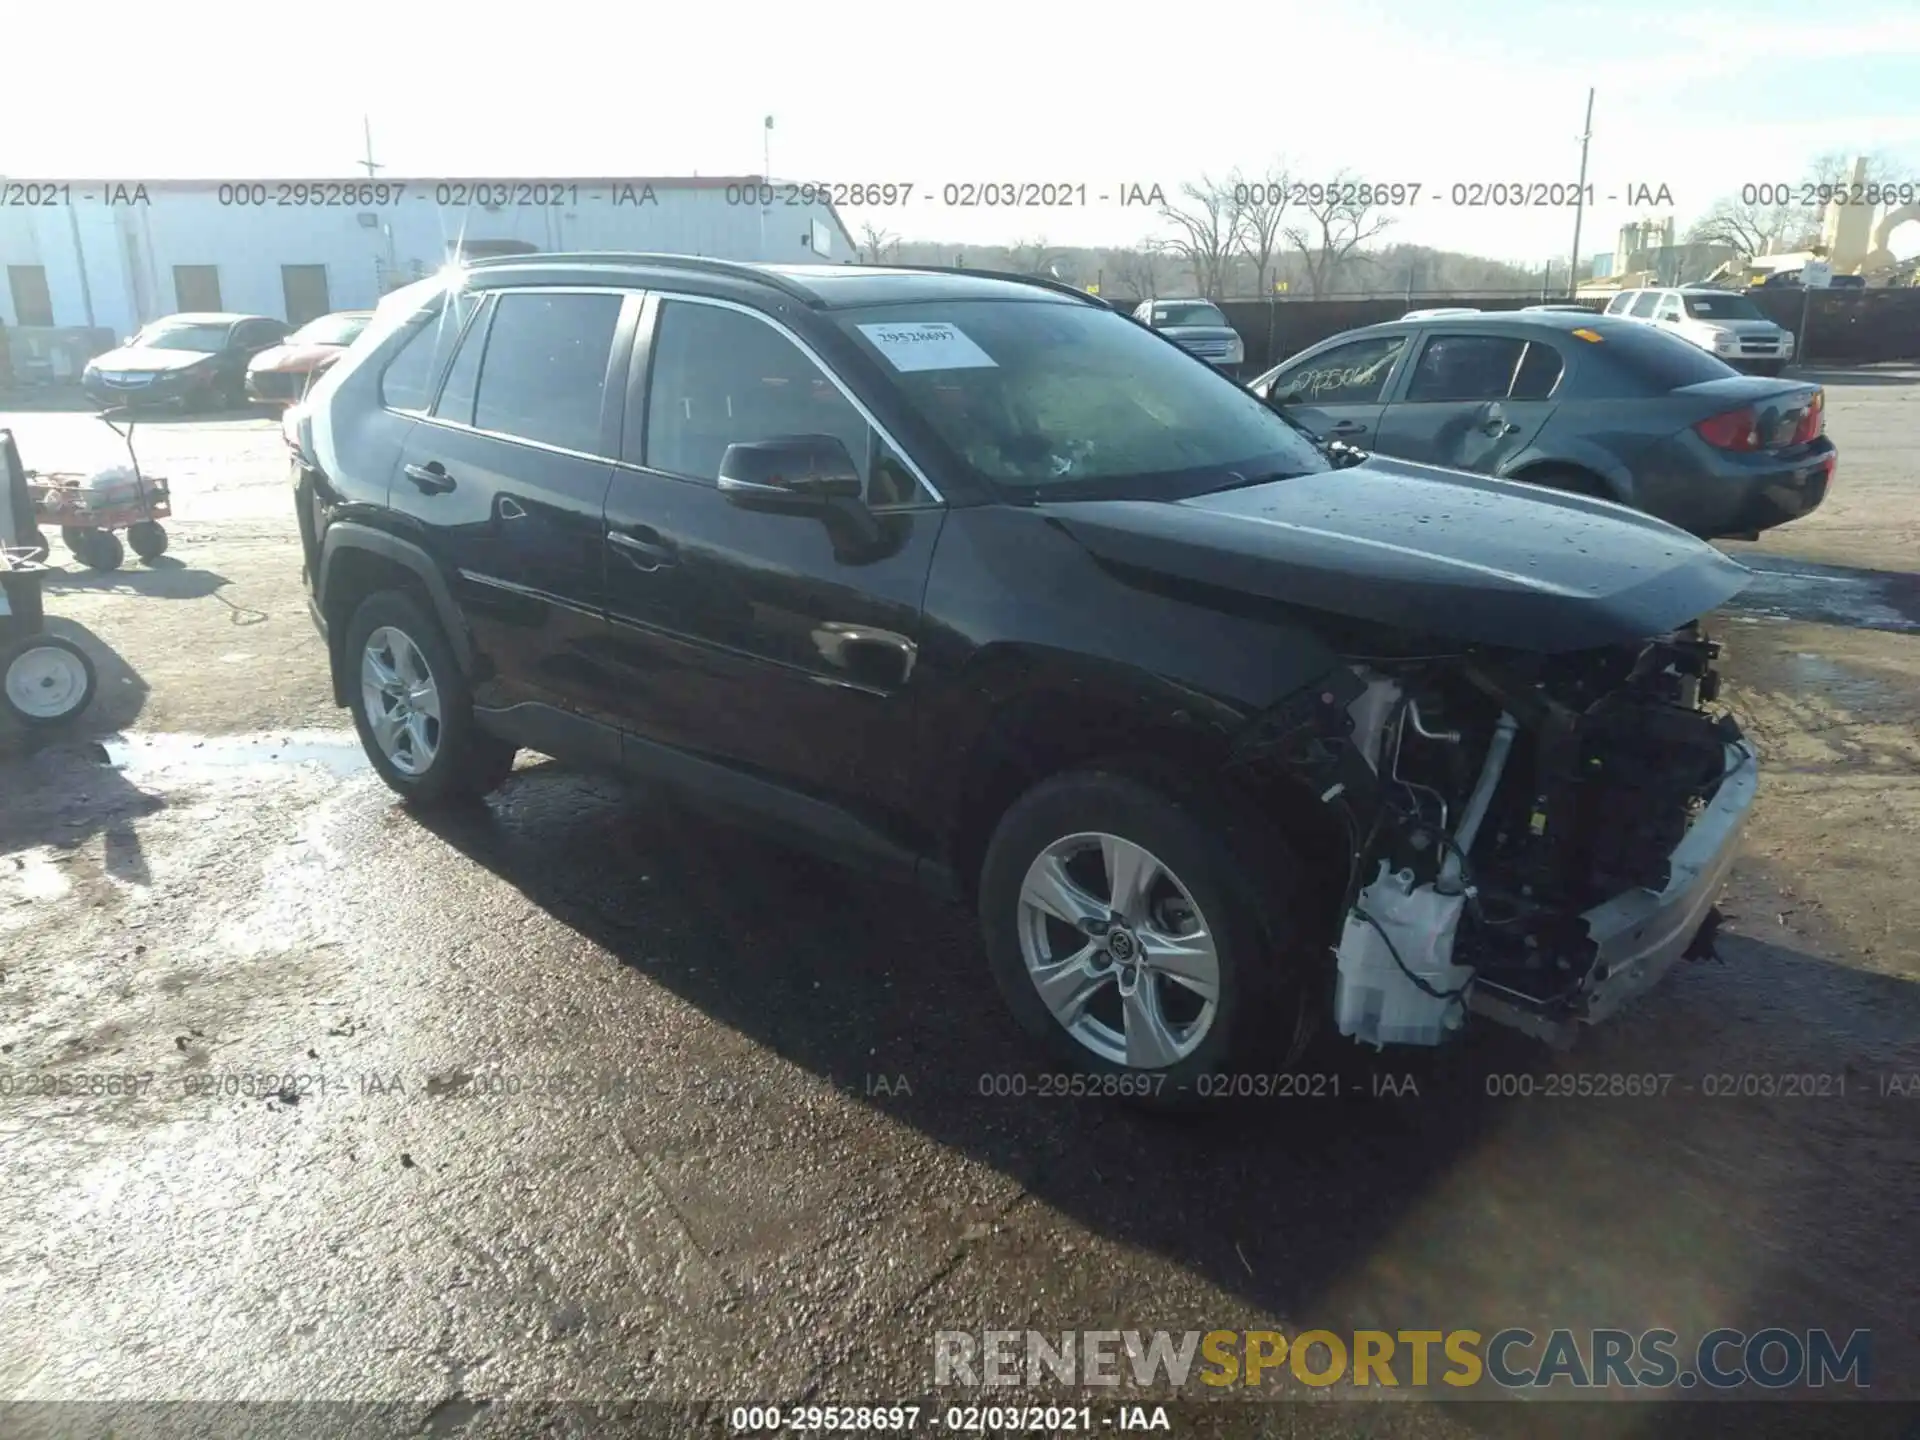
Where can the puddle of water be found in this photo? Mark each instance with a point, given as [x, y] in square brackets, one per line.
[337, 751]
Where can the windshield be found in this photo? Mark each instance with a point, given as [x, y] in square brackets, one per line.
[1063, 401]
[329, 330]
[162, 336]
[1723, 307]
[1198, 313]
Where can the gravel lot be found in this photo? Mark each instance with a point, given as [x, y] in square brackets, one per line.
[605, 1103]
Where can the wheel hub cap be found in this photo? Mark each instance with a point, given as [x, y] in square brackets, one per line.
[401, 699]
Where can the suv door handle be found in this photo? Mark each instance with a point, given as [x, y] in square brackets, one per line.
[431, 478]
[1347, 427]
[1500, 427]
[649, 554]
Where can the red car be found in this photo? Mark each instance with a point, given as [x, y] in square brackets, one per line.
[281, 375]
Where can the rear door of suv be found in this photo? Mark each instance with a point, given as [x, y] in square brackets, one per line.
[506, 480]
[782, 643]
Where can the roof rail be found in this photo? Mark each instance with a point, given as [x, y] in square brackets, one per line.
[737, 269]
[1044, 281]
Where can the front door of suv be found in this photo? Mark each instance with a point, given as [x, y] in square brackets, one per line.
[783, 643]
[1338, 392]
[1472, 402]
[506, 478]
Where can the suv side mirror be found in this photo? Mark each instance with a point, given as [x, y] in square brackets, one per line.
[791, 473]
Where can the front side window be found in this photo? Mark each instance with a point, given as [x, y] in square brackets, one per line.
[1645, 304]
[721, 377]
[1353, 374]
[1465, 367]
[1050, 399]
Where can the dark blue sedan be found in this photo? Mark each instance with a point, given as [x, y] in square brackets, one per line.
[1587, 403]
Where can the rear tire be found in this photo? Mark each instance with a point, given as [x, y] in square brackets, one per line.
[97, 549]
[1210, 978]
[412, 706]
[148, 539]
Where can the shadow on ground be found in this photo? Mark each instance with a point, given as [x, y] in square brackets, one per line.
[1282, 1203]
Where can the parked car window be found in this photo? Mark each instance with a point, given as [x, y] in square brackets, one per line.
[1353, 374]
[1539, 372]
[544, 374]
[1723, 307]
[1192, 313]
[1644, 304]
[463, 376]
[1661, 359]
[1465, 367]
[183, 335]
[409, 379]
[722, 378]
[1618, 305]
[1669, 308]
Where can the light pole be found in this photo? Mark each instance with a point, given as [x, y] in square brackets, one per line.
[1580, 200]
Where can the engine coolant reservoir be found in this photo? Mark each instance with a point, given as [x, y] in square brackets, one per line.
[1375, 1002]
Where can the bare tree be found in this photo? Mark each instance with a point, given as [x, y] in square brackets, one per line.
[1137, 271]
[874, 242]
[1207, 230]
[1034, 257]
[1334, 223]
[1263, 205]
[1746, 227]
[1792, 220]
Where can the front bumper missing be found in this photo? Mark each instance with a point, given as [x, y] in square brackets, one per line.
[1640, 935]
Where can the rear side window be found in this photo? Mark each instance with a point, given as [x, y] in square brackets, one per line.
[1539, 372]
[1465, 367]
[463, 379]
[1660, 360]
[409, 380]
[1644, 304]
[544, 376]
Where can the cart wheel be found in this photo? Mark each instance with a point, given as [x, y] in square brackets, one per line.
[148, 539]
[99, 550]
[45, 680]
[74, 537]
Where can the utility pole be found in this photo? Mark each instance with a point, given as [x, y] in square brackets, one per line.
[1580, 200]
[766, 151]
[366, 127]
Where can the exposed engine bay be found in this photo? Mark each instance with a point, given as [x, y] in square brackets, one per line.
[1535, 838]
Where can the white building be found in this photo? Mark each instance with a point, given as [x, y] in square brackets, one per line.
[116, 254]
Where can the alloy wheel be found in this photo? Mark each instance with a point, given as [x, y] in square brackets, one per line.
[1118, 951]
[401, 699]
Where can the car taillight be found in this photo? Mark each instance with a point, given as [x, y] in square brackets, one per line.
[1813, 421]
[1735, 430]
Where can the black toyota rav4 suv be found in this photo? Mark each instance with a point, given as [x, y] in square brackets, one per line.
[972, 580]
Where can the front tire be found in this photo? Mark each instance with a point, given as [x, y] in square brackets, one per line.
[1126, 935]
[412, 707]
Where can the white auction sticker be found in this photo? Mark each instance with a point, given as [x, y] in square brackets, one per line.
[927, 345]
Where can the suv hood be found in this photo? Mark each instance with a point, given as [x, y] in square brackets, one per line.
[1428, 551]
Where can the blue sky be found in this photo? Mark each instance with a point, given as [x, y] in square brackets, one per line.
[1699, 97]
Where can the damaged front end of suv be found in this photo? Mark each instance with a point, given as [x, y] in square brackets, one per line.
[1536, 838]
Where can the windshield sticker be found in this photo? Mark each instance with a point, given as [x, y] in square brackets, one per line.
[927, 345]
